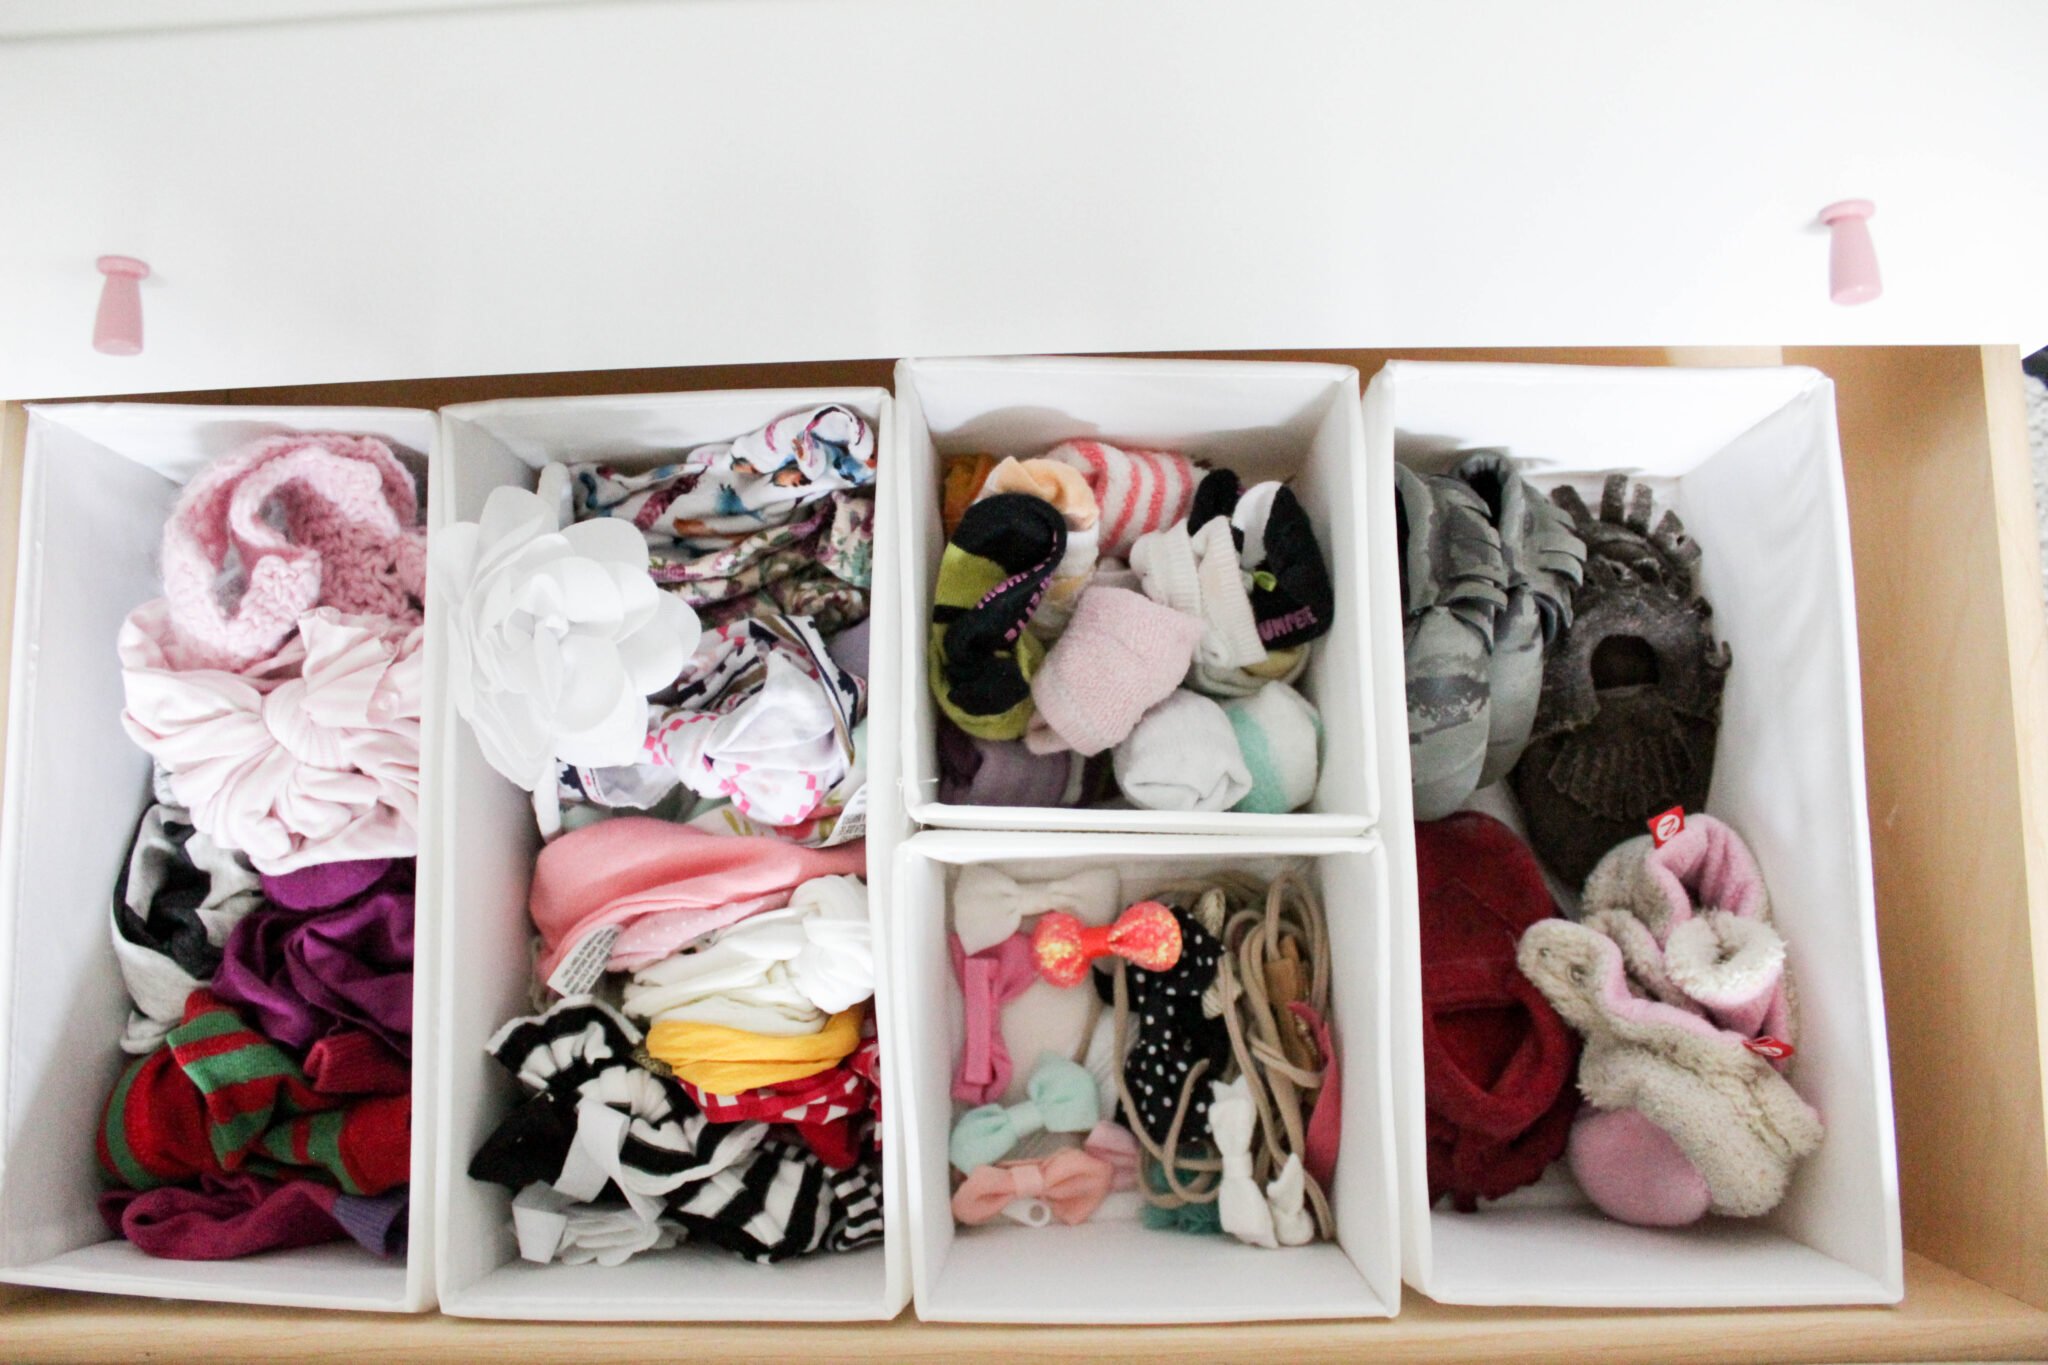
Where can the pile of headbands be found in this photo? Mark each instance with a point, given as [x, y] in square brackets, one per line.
[710, 1073]
[673, 662]
[688, 643]
[264, 921]
[1183, 1069]
[1110, 621]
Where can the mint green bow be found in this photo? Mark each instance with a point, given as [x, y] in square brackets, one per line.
[1061, 1099]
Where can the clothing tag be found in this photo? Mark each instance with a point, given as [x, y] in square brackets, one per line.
[1666, 825]
[1777, 1049]
[579, 970]
[853, 819]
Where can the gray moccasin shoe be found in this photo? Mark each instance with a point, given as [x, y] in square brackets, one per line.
[1631, 702]
[1545, 562]
[1453, 586]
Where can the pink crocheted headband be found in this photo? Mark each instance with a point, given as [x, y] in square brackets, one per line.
[285, 525]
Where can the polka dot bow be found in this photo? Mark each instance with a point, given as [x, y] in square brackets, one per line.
[1146, 935]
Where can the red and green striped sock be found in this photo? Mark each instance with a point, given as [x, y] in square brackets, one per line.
[218, 1096]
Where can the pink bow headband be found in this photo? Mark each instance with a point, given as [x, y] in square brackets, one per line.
[989, 980]
[1072, 1184]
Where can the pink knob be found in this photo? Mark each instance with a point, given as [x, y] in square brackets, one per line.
[1852, 260]
[117, 327]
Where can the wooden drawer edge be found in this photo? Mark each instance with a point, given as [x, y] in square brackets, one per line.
[1945, 1317]
[1949, 612]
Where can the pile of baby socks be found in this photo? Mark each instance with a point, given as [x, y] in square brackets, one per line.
[706, 971]
[1100, 602]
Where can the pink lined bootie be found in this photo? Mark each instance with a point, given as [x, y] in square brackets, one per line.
[1693, 922]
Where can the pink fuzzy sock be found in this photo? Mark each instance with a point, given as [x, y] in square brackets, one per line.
[1633, 1171]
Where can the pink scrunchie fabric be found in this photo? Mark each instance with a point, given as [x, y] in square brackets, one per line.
[311, 755]
[321, 520]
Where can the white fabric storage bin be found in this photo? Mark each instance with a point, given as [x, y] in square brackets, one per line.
[491, 840]
[1751, 462]
[1266, 420]
[98, 482]
[1113, 1269]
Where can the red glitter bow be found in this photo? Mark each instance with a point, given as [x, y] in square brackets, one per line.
[1146, 935]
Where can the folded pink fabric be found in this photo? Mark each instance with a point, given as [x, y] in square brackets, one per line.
[1121, 655]
[284, 525]
[310, 755]
[665, 885]
[989, 980]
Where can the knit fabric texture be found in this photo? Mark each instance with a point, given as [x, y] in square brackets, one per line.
[262, 536]
[1062, 486]
[1279, 737]
[664, 886]
[1136, 490]
[1122, 654]
[224, 1217]
[332, 954]
[178, 898]
[1497, 1061]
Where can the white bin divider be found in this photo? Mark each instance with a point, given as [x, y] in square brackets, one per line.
[491, 840]
[1266, 420]
[1109, 1271]
[1751, 462]
[98, 482]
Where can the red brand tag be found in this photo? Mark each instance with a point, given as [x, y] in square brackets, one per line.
[1777, 1049]
[1664, 826]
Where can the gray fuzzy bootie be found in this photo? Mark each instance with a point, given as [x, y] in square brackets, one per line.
[1734, 1121]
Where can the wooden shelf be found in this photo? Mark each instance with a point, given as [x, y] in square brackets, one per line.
[1945, 1317]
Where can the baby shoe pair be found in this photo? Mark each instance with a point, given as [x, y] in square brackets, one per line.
[1677, 981]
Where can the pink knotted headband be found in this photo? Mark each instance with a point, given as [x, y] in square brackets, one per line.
[309, 756]
[989, 980]
[282, 526]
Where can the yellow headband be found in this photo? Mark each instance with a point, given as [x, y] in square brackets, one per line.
[726, 1061]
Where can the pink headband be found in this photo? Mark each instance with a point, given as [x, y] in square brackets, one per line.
[310, 756]
[665, 885]
[989, 980]
[349, 540]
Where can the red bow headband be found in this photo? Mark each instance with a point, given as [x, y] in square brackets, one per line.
[1146, 935]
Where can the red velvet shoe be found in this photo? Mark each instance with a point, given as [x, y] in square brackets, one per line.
[1497, 1060]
